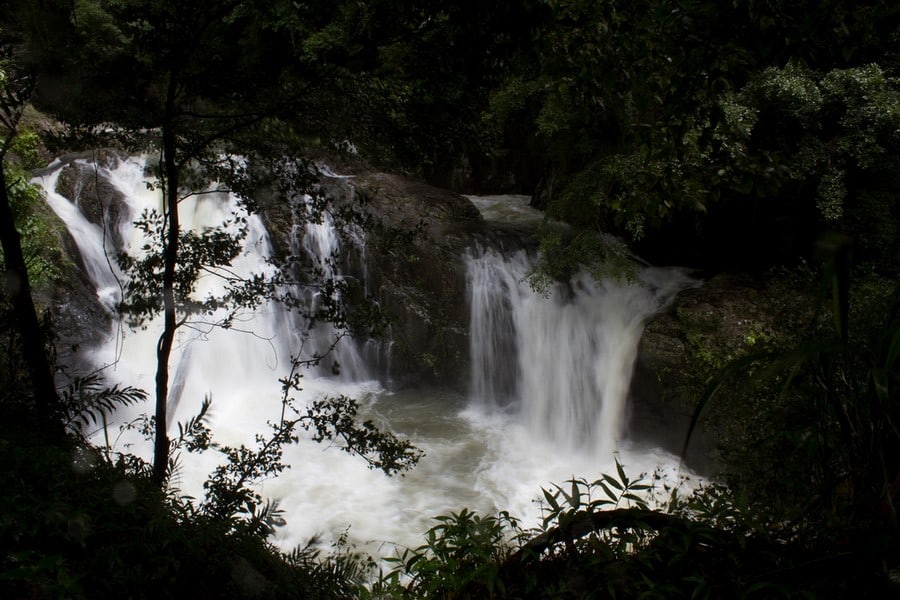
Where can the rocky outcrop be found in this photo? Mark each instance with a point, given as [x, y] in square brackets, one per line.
[79, 318]
[703, 330]
[420, 279]
[82, 182]
[409, 261]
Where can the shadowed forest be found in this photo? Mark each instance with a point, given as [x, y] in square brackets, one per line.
[754, 143]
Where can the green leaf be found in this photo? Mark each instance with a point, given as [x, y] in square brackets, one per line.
[551, 499]
[609, 493]
[622, 477]
[575, 499]
[641, 502]
[612, 481]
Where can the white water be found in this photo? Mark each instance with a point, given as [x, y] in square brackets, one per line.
[92, 241]
[319, 242]
[517, 433]
[563, 361]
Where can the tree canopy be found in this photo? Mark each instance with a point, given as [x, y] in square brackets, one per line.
[700, 130]
[745, 134]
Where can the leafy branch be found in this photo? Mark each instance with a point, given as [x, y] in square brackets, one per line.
[87, 401]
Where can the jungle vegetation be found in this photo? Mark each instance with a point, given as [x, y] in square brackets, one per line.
[745, 135]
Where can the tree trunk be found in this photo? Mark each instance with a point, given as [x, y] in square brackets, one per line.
[170, 249]
[19, 288]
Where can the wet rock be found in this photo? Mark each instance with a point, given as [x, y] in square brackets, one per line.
[403, 246]
[420, 279]
[704, 329]
[83, 184]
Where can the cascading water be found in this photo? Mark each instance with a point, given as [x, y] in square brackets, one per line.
[561, 359]
[494, 451]
[131, 359]
[567, 356]
[94, 246]
[318, 241]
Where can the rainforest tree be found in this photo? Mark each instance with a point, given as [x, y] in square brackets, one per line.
[16, 87]
[690, 128]
[204, 84]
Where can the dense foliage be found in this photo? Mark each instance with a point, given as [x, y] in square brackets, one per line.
[715, 133]
[723, 134]
[703, 132]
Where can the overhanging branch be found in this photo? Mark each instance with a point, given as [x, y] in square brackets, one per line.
[583, 523]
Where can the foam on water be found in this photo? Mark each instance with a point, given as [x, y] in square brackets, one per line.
[549, 384]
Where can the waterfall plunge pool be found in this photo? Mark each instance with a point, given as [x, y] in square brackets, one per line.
[547, 401]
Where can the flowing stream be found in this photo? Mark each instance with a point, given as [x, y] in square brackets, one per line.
[547, 400]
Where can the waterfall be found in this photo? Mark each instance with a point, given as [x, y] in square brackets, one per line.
[561, 361]
[549, 375]
[243, 360]
[493, 286]
[94, 245]
[318, 241]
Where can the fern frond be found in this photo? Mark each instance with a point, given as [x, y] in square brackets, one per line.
[88, 400]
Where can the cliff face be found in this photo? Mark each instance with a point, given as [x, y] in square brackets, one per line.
[421, 281]
[729, 316]
[403, 244]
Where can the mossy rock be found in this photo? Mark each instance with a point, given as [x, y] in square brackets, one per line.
[706, 328]
[421, 280]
